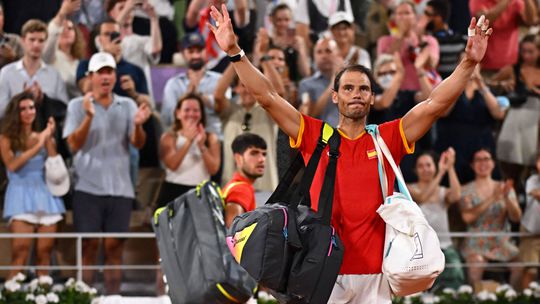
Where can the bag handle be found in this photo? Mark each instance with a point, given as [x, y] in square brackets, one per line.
[302, 195]
[326, 197]
[381, 146]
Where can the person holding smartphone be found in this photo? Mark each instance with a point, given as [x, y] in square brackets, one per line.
[142, 51]
[283, 35]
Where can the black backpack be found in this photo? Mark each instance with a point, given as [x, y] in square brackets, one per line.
[199, 268]
[285, 245]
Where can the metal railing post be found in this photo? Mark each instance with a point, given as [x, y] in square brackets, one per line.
[79, 258]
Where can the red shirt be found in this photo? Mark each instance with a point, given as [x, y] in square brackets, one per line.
[357, 193]
[240, 190]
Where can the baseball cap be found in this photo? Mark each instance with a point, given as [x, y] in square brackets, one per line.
[338, 17]
[101, 60]
[193, 39]
[56, 175]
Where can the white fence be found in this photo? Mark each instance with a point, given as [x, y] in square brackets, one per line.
[132, 235]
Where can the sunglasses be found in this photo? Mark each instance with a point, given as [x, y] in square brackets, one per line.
[246, 124]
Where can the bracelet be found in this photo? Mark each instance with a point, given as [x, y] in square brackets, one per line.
[237, 57]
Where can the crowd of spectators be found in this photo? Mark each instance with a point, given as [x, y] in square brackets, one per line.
[76, 79]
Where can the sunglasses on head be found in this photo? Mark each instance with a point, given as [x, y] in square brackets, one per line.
[246, 124]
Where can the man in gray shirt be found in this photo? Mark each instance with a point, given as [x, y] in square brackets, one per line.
[196, 79]
[99, 127]
[30, 72]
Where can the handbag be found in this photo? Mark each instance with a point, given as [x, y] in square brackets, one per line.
[56, 175]
[412, 254]
[285, 245]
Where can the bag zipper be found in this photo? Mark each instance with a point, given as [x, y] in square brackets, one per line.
[285, 221]
[332, 241]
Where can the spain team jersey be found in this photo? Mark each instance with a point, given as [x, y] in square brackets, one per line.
[239, 190]
[357, 193]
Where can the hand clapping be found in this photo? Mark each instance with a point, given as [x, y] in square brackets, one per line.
[142, 115]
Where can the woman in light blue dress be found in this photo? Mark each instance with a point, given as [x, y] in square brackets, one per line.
[28, 204]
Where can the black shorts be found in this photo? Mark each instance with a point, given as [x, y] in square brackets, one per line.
[95, 213]
[169, 192]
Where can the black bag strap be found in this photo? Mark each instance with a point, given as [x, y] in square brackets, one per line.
[282, 192]
[283, 188]
[326, 198]
[302, 195]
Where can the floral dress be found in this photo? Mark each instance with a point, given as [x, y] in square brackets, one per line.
[496, 248]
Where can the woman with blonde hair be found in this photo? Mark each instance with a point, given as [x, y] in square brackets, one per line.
[29, 205]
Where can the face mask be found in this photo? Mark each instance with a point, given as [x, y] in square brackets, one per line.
[196, 65]
[385, 81]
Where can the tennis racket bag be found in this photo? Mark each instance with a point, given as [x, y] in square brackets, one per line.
[285, 245]
[198, 266]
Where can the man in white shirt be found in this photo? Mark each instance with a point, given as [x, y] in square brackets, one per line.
[30, 72]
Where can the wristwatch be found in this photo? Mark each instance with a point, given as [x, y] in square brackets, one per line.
[237, 57]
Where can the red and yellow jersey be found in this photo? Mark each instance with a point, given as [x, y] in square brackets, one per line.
[357, 193]
[239, 190]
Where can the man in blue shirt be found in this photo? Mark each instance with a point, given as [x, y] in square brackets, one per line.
[99, 128]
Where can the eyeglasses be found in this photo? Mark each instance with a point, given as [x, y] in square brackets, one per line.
[384, 73]
[246, 125]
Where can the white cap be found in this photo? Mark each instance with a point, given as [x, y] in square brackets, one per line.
[338, 17]
[101, 60]
[56, 175]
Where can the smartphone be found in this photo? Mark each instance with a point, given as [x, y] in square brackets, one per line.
[115, 35]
